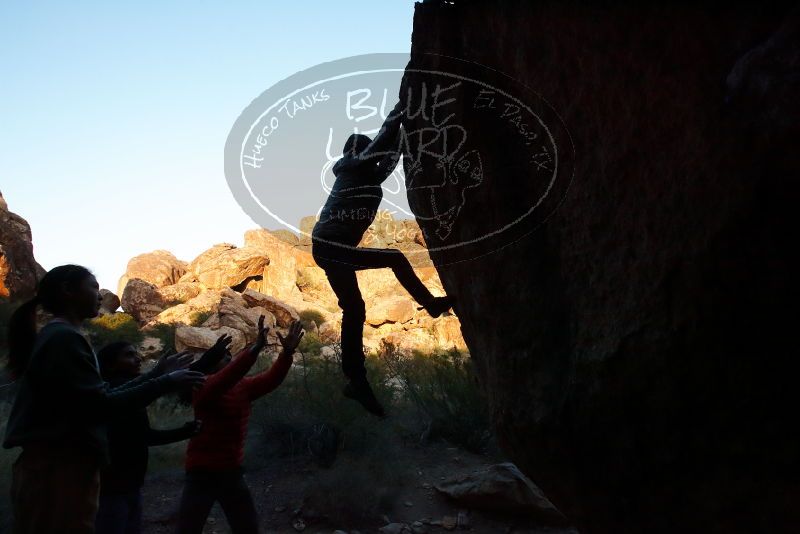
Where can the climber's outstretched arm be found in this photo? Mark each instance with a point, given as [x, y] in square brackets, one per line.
[386, 140]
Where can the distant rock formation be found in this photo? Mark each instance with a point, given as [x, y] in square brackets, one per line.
[637, 348]
[227, 287]
[160, 268]
[19, 271]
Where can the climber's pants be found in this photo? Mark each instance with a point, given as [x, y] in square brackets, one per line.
[340, 265]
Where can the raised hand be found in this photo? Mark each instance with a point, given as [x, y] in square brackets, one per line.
[221, 345]
[213, 355]
[292, 339]
[261, 339]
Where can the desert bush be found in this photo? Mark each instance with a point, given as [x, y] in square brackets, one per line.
[310, 400]
[310, 344]
[113, 327]
[442, 386]
[307, 317]
[165, 333]
[199, 317]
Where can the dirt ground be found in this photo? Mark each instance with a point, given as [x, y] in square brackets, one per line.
[279, 489]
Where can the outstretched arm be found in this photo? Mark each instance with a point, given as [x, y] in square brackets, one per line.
[74, 366]
[386, 140]
[165, 365]
[162, 437]
[230, 375]
[212, 356]
[261, 384]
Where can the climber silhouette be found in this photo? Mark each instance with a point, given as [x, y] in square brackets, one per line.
[350, 209]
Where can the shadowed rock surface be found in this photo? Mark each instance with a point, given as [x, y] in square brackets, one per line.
[636, 346]
[19, 271]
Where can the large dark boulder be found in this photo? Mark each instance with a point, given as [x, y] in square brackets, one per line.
[19, 271]
[634, 334]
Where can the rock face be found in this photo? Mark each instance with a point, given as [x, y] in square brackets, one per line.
[110, 302]
[392, 310]
[160, 268]
[284, 314]
[275, 275]
[279, 277]
[19, 272]
[226, 265]
[199, 339]
[142, 300]
[635, 346]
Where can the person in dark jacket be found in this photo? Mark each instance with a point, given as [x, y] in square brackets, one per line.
[348, 212]
[130, 436]
[62, 405]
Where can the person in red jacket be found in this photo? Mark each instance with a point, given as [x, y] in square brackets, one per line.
[214, 457]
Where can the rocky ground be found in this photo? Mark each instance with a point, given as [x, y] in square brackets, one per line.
[281, 487]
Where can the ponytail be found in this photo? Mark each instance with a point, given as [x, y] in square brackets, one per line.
[22, 324]
[21, 336]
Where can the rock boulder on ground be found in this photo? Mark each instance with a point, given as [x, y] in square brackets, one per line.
[499, 488]
[142, 300]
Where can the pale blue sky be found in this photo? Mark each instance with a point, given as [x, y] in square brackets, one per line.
[114, 117]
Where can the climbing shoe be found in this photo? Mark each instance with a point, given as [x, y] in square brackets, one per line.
[438, 306]
[360, 391]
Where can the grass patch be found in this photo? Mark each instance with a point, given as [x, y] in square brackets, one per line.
[165, 333]
[113, 327]
[199, 317]
[310, 344]
[443, 388]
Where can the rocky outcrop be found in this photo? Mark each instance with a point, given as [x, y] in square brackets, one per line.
[226, 265]
[110, 302]
[634, 340]
[391, 310]
[19, 271]
[279, 277]
[199, 339]
[160, 268]
[284, 314]
[274, 274]
[180, 292]
[142, 300]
